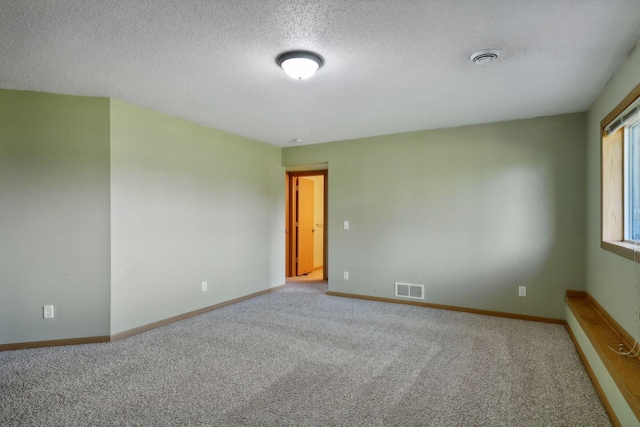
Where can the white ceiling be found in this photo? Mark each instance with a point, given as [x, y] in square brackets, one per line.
[390, 65]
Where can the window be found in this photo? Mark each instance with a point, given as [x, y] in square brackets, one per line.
[632, 181]
[621, 177]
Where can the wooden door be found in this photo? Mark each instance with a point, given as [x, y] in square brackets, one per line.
[305, 230]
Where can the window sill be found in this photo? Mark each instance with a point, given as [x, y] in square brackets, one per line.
[603, 331]
[624, 249]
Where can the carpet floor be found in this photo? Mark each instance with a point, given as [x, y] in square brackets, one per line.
[297, 357]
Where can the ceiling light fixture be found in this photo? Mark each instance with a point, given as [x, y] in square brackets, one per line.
[300, 64]
[484, 56]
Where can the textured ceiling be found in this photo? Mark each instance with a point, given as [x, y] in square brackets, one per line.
[390, 65]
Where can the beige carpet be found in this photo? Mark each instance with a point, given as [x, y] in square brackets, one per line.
[297, 357]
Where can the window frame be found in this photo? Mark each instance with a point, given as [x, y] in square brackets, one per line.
[612, 184]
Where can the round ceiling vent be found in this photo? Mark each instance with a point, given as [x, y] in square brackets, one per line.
[484, 56]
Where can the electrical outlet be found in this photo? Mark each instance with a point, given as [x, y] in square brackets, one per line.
[345, 275]
[522, 291]
[204, 286]
[47, 312]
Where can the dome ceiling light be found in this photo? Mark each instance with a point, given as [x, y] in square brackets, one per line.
[484, 56]
[300, 64]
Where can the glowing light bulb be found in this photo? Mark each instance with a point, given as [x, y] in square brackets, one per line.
[300, 65]
[300, 68]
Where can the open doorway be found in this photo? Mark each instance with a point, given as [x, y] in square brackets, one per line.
[306, 217]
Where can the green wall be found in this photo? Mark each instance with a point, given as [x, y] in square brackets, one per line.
[611, 278]
[471, 212]
[116, 214]
[54, 216]
[189, 204]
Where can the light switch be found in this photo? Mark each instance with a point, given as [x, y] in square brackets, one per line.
[346, 225]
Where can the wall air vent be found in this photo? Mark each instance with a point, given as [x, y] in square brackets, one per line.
[408, 290]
